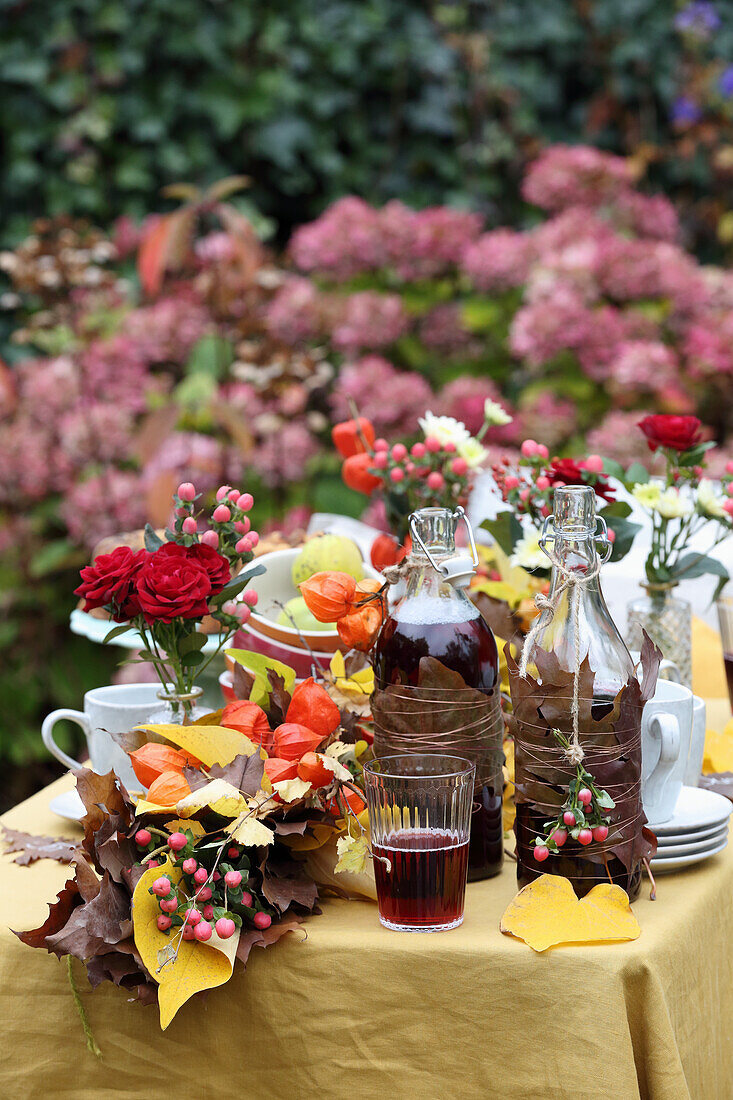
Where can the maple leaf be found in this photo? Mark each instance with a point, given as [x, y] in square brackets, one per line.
[32, 847]
[244, 773]
[267, 937]
[285, 883]
[101, 795]
[59, 912]
[101, 922]
[353, 854]
[547, 913]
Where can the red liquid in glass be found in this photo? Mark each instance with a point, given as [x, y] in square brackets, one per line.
[728, 660]
[468, 648]
[426, 883]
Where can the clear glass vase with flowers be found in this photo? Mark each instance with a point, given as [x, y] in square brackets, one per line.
[682, 505]
[165, 591]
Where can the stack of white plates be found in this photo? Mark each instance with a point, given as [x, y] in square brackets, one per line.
[698, 830]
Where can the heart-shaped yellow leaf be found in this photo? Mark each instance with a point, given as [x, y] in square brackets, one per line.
[196, 966]
[290, 790]
[547, 913]
[209, 744]
[250, 832]
[221, 797]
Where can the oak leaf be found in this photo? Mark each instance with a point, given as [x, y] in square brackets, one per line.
[547, 913]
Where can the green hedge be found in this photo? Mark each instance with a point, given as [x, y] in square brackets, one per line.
[105, 102]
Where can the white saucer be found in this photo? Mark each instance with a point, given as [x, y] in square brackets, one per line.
[690, 835]
[68, 805]
[696, 809]
[670, 851]
[660, 866]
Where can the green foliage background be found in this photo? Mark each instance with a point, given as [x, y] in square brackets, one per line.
[105, 102]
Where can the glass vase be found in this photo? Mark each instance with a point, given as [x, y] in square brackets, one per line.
[668, 621]
[179, 708]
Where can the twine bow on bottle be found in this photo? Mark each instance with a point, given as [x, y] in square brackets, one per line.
[547, 605]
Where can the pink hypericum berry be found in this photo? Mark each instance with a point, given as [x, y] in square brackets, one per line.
[729, 466]
[543, 483]
[541, 852]
[594, 464]
[435, 481]
[177, 842]
[244, 545]
[585, 796]
[409, 468]
[152, 863]
[245, 501]
[233, 853]
[208, 912]
[611, 535]
[459, 466]
[143, 838]
[233, 879]
[200, 876]
[600, 832]
[222, 491]
[229, 607]
[560, 836]
[192, 916]
[188, 932]
[186, 491]
[189, 526]
[381, 460]
[181, 512]
[189, 866]
[529, 448]
[244, 613]
[203, 931]
[216, 876]
[511, 482]
[542, 451]
[381, 445]
[569, 818]
[247, 898]
[163, 923]
[168, 905]
[449, 448]
[254, 538]
[204, 894]
[234, 496]
[262, 920]
[585, 836]
[524, 495]
[728, 506]
[250, 597]
[433, 444]
[729, 488]
[210, 538]
[221, 514]
[225, 928]
[397, 474]
[418, 450]
[162, 887]
[242, 526]
[399, 451]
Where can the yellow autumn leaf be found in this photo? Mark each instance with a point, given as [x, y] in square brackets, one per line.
[353, 854]
[547, 913]
[250, 832]
[718, 751]
[290, 790]
[258, 666]
[178, 826]
[221, 797]
[509, 809]
[316, 835]
[321, 865]
[197, 965]
[209, 744]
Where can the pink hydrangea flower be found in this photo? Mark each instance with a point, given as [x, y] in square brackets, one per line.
[498, 260]
[393, 400]
[367, 320]
[575, 175]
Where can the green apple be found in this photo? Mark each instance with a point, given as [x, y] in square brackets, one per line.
[326, 552]
[297, 616]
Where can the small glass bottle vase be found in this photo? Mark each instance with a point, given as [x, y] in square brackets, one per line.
[178, 708]
[668, 622]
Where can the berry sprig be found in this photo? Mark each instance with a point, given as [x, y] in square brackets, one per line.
[212, 894]
[230, 531]
[583, 815]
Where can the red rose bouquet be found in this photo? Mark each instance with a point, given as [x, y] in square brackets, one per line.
[165, 590]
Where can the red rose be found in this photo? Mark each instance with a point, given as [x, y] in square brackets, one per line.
[215, 564]
[109, 581]
[173, 584]
[679, 433]
[566, 471]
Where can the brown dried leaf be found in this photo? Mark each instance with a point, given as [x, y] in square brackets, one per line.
[268, 937]
[242, 682]
[59, 912]
[102, 922]
[279, 698]
[32, 847]
[245, 773]
[650, 659]
[101, 795]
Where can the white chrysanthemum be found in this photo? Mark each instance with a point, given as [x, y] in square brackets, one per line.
[472, 452]
[494, 415]
[708, 502]
[527, 551]
[647, 493]
[446, 429]
[672, 505]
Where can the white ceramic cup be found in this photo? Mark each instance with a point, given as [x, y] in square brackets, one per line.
[668, 670]
[666, 730]
[697, 743]
[115, 708]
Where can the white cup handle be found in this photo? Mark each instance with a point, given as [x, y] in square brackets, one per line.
[667, 728]
[668, 670]
[50, 721]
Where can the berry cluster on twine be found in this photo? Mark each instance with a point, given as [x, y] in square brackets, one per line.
[212, 894]
[230, 533]
[583, 815]
[435, 464]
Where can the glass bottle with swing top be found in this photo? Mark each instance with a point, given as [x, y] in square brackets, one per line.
[574, 629]
[435, 618]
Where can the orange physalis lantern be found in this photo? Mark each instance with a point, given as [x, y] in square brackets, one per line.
[278, 770]
[312, 769]
[249, 719]
[312, 706]
[359, 629]
[170, 787]
[349, 437]
[293, 740]
[152, 759]
[328, 595]
[357, 474]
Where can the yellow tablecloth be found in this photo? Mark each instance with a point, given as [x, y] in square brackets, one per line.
[357, 1012]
